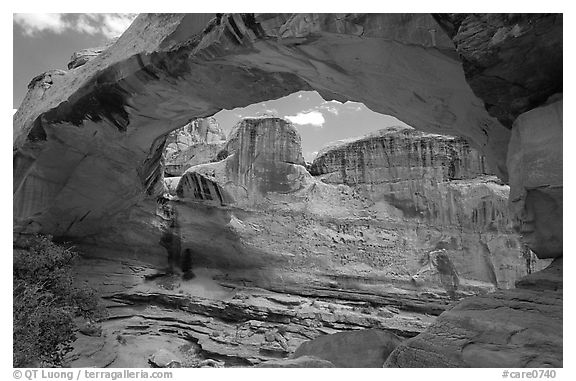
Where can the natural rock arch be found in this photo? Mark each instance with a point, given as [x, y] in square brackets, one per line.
[87, 142]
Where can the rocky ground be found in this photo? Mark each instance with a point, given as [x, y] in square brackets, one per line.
[209, 317]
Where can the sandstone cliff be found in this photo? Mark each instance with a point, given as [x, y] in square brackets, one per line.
[198, 142]
[261, 155]
[417, 207]
[415, 172]
[441, 182]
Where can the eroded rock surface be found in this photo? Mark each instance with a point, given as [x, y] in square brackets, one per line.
[356, 349]
[81, 57]
[513, 62]
[198, 142]
[208, 318]
[535, 163]
[102, 125]
[300, 362]
[518, 328]
[438, 181]
[261, 155]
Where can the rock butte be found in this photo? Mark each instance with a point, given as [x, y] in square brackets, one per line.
[88, 143]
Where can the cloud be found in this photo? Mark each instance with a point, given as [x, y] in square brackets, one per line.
[114, 24]
[314, 118]
[107, 24]
[33, 23]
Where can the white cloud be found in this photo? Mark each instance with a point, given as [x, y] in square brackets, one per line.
[314, 118]
[107, 24]
[33, 23]
[116, 23]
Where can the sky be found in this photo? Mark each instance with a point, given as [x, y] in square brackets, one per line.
[46, 41]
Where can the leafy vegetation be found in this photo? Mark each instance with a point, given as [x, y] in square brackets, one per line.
[46, 302]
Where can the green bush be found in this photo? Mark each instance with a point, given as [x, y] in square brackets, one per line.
[45, 303]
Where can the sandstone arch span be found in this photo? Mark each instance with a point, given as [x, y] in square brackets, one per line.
[87, 142]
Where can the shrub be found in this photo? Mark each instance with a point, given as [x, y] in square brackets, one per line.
[45, 303]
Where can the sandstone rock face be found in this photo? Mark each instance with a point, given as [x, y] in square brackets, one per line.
[81, 57]
[160, 74]
[356, 349]
[513, 62]
[399, 153]
[438, 181]
[535, 163]
[198, 142]
[261, 155]
[412, 171]
[507, 329]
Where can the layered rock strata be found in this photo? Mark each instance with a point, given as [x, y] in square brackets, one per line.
[207, 318]
[261, 155]
[439, 181]
[198, 142]
[417, 173]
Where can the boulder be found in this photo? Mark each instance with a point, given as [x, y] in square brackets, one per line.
[355, 349]
[210, 363]
[517, 328]
[163, 358]
[83, 56]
